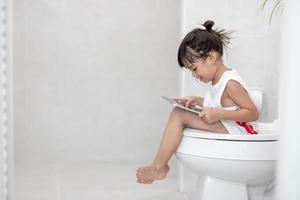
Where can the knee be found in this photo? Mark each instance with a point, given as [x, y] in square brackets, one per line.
[183, 117]
[177, 114]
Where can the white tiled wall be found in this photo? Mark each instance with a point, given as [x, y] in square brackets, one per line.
[88, 76]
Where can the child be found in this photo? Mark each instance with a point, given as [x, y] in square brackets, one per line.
[228, 109]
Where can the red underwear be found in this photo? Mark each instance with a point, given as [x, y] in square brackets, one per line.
[249, 128]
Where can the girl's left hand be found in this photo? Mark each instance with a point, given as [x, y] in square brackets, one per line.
[210, 115]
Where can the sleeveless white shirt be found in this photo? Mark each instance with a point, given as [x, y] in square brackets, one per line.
[213, 97]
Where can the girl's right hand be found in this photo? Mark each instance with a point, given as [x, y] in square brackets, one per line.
[187, 101]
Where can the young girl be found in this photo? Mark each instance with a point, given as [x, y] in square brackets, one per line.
[228, 109]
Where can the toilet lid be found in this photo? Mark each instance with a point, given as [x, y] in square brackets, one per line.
[188, 132]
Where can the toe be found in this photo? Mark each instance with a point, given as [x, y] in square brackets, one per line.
[145, 181]
[148, 182]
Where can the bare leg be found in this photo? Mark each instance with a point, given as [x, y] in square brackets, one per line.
[178, 120]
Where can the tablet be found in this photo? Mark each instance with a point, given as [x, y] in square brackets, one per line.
[192, 108]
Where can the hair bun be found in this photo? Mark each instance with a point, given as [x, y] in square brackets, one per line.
[208, 25]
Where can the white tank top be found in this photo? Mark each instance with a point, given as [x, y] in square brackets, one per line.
[214, 94]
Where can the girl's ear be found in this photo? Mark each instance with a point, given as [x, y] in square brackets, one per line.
[212, 57]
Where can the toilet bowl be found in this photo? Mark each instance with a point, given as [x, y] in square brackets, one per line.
[226, 164]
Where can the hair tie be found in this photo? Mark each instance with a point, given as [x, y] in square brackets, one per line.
[208, 25]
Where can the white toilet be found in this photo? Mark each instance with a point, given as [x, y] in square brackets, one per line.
[226, 163]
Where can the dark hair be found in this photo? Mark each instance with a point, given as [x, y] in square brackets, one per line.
[200, 42]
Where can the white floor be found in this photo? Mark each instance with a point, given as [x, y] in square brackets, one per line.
[90, 181]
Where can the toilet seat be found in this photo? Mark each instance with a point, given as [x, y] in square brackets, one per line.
[262, 136]
[226, 146]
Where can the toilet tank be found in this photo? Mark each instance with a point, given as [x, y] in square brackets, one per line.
[256, 96]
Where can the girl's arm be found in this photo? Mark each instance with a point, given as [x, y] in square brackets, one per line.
[247, 112]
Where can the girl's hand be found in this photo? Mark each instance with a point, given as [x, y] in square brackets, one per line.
[210, 115]
[187, 101]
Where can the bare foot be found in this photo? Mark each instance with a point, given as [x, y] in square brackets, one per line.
[148, 174]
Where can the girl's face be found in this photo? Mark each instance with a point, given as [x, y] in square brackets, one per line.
[203, 70]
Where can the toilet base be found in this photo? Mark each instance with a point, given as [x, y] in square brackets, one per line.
[209, 188]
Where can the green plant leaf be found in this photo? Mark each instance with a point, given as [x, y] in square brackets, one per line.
[263, 5]
[275, 8]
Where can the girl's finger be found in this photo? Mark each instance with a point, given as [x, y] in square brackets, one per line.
[188, 102]
[181, 101]
[201, 114]
[178, 101]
